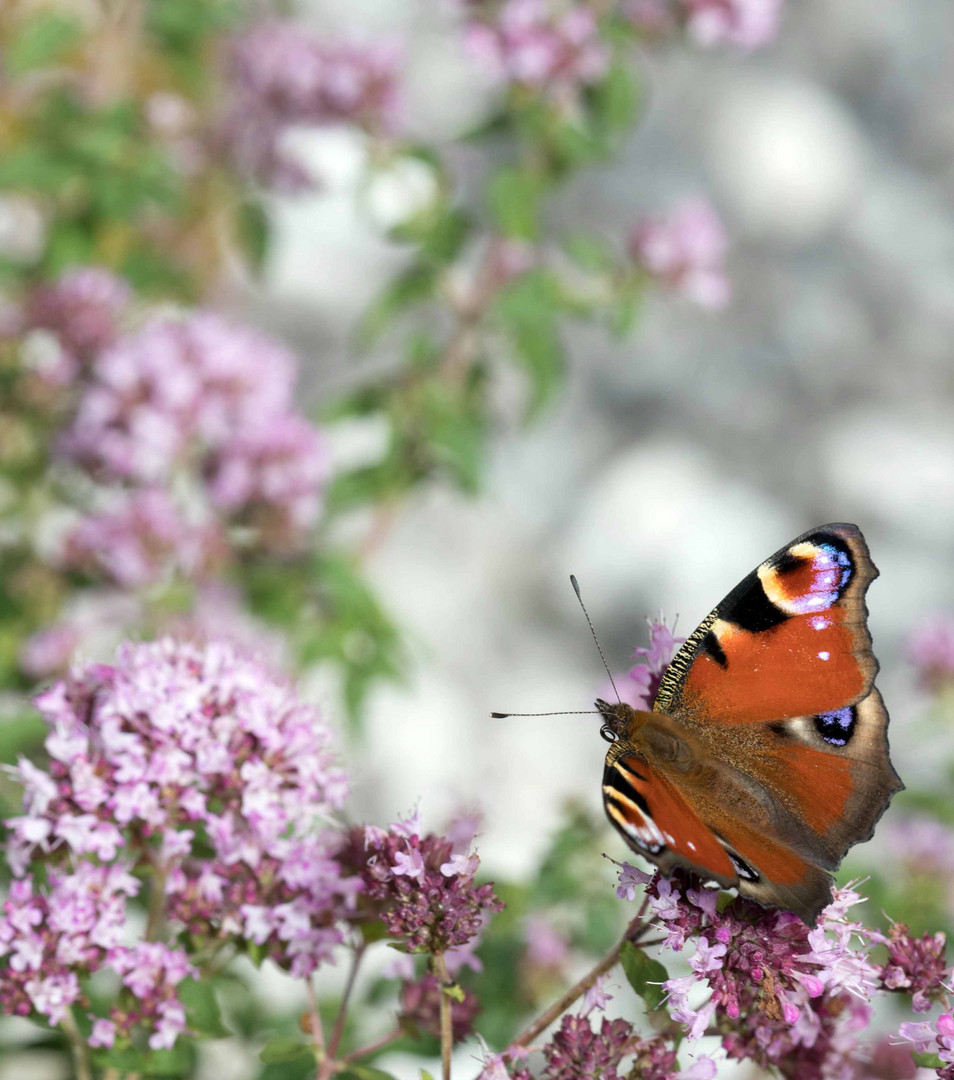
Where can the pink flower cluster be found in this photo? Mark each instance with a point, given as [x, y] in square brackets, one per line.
[281, 77]
[188, 426]
[139, 541]
[685, 252]
[651, 664]
[579, 1049]
[200, 773]
[927, 1038]
[526, 43]
[742, 24]
[422, 887]
[83, 308]
[54, 935]
[916, 966]
[780, 991]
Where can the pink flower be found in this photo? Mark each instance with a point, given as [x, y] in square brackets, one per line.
[685, 251]
[48, 651]
[631, 881]
[596, 998]
[742, 24]
[526, 44]
[103, 1033]
[83, 308]
[935, 1038]
[916, 966]
[778, 990]
[409, 863]
[546, 947]
[270, 475]
[745, 24]
[651, 665]
[173, 738]
[404, 884]
[281, 77]
[139, 540]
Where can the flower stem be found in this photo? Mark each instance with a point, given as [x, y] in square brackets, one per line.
[317, 1030]
[439, 968]
[345, 997]
[633, 932]
[363, 1051]
[78, 1046]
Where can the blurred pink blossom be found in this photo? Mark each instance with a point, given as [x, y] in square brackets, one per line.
[526, 43]
[546, 947]
[685, 251]
[745, 24]
[271, 475]
[48, 651]
[931, 650]
[742, 24]
[141, 540]
[83, 307]
[282, 77]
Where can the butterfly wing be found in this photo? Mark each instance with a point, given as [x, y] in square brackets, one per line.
[787, 762]
[790, 639]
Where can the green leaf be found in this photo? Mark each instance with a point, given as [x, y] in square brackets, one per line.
[20, 735]
[364, 1072]
[455, 992]
[528, 308]
[412, 286]
[42, 40]
[617, 96]
[590, 252]
[202, 1008]
[284, 1048]
[514, 197]
[645, 974]
[425, 1075]
[175, 1062]
[927, 1061]
[254, 232]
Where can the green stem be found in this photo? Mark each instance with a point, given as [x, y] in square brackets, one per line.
[78, 1046]
[439, 968]
[338, 1029]
[633, 933]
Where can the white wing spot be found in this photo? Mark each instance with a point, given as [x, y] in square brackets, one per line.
[824, 655]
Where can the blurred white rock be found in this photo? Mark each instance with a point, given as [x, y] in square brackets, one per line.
[400, 191]
[662, 521]
[900, 463]
[786, 155]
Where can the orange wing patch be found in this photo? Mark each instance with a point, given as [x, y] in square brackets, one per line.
[655, 818]
[789, 640]
[804, 665]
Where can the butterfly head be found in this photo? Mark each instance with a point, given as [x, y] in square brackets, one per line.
[620, 721]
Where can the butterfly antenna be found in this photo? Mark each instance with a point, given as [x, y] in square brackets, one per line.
[576, 589]
[571, 712]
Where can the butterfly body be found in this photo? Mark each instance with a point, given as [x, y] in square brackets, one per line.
[765, 755]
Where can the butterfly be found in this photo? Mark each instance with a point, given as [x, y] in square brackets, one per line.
[765, 755]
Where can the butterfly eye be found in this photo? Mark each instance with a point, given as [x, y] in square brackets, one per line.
[608, 733]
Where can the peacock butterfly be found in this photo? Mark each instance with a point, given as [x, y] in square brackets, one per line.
[765, 755]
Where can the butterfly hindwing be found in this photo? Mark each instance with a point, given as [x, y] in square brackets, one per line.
[657, 821]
